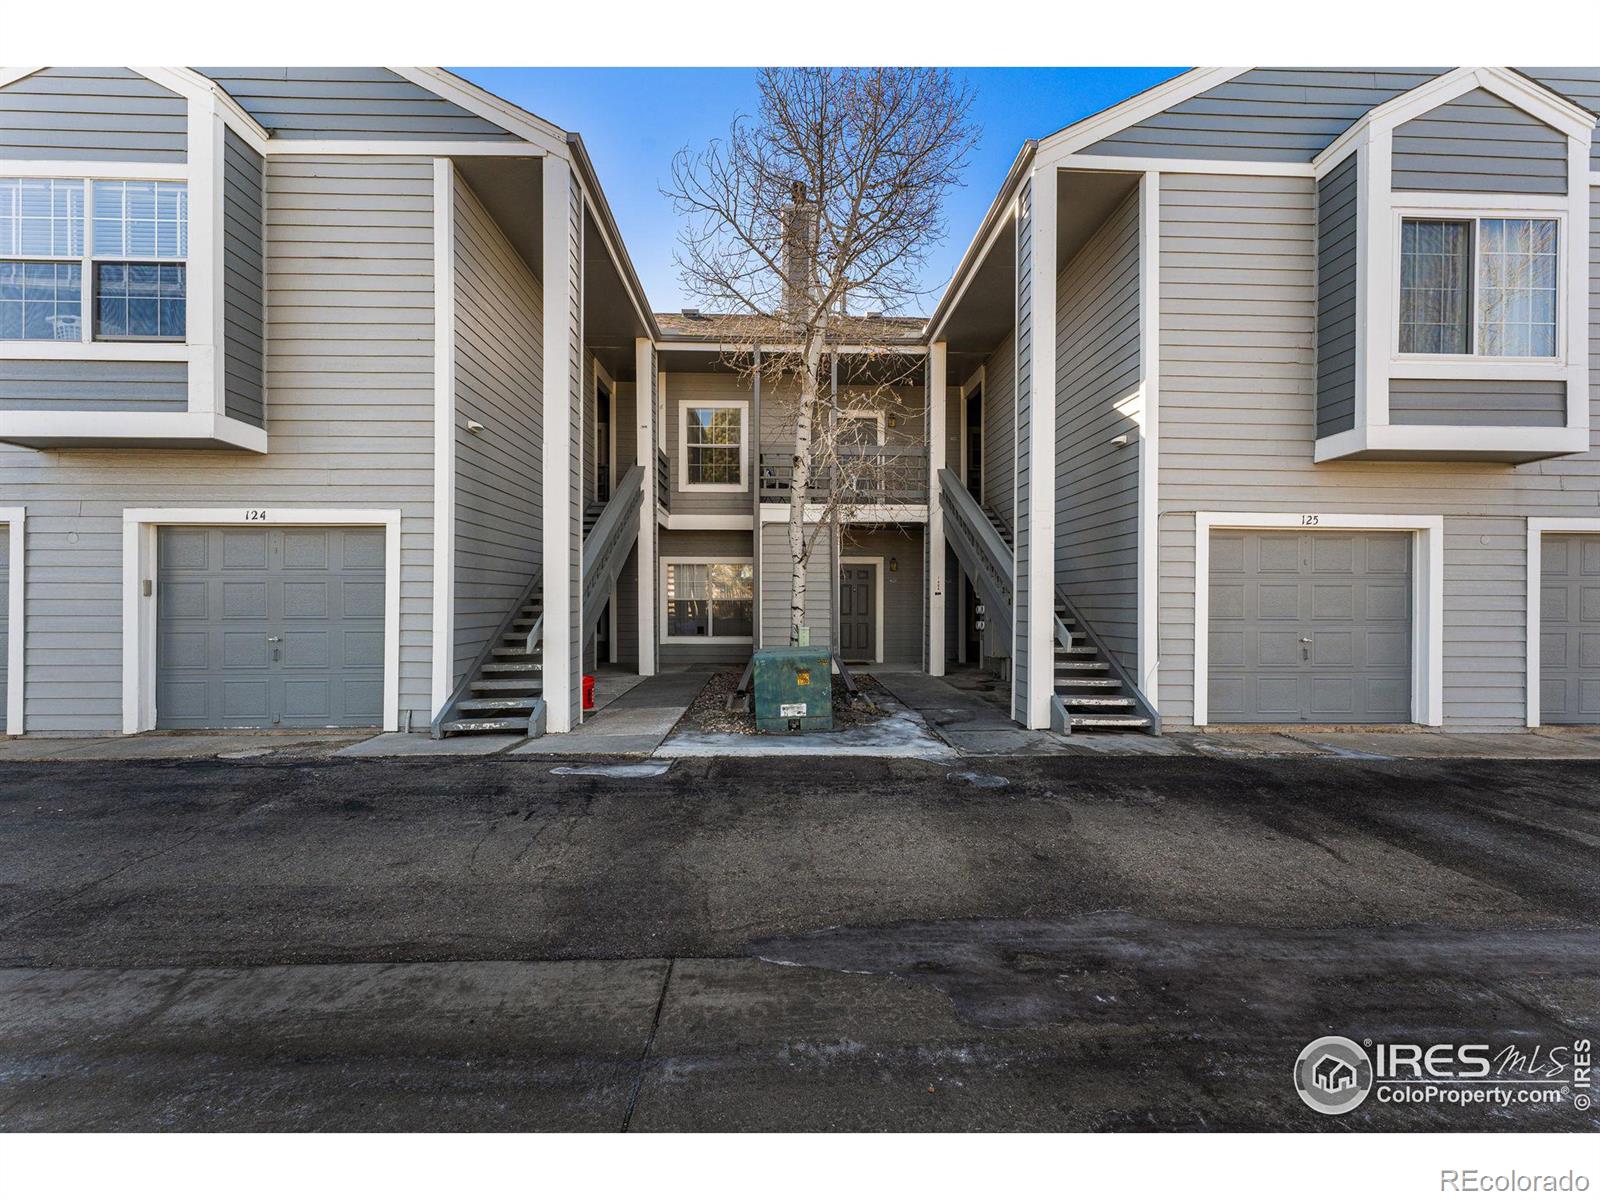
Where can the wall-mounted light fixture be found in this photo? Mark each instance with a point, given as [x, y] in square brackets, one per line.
[894, 565]
[474, 426]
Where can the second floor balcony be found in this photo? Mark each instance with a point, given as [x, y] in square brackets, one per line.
[883, 475]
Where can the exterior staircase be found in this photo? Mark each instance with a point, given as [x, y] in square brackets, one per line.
[1090, 695]
[503, 691]
[1000, 526]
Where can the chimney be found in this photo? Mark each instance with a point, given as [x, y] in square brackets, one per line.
[799, 248]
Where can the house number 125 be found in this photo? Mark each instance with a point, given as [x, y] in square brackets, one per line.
[1309, 519]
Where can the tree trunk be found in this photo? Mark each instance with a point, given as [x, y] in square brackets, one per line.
[799, 490]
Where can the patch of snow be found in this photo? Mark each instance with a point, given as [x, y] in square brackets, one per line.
[640, 770]
[978, 779]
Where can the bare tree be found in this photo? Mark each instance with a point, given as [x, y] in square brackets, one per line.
[819, 209]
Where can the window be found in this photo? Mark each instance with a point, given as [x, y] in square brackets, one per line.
[713, 446]
[708, 601]
[1484, 286]
[861, 428]
[130, 251]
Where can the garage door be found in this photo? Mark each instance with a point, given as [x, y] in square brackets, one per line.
[1310, 627]
[269, 628]
[1569, 629]
[5, 615]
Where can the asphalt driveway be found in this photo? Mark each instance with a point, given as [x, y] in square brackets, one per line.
[1047, 943]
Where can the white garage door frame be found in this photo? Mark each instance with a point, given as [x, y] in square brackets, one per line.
[1537, 528]
[15, 520]
[1427, 593]
[139, 566]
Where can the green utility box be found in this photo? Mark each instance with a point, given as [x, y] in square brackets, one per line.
[793, 689]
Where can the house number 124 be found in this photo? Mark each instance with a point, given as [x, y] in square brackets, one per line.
[255, 514]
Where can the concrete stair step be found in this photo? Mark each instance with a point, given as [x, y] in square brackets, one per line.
[521, 686]
[1073, 702]
[513, 668]
[487, 725]
[506, 704]
[518, 651]
[1081, 664]
[1086, 682]
[1086, 722]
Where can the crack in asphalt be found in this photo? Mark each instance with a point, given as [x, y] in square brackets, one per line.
[649, 1044]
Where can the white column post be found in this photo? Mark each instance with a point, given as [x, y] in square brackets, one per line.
[937, 403]
[644, 407]
[1041, 646]
[444, 432]
[560, 407]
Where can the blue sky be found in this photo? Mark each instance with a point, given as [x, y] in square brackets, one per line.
[633, 120]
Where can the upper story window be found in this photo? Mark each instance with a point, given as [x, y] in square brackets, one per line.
[1483, 286]
[713, 439]
[132, 253]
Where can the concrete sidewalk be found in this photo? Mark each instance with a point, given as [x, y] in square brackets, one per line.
[633, 723]
[967, 710]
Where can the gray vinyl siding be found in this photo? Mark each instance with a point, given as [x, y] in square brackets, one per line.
[1526, 403]
[1336, 298]
[590, 457]
[698, 389]
[1238, 415]
[367, 103]
[904, 596]
[822, 577]
[1581, 85]
[1024, 395]
[350, 366]
[1097, 483]
[80, 385]
[499, 363]
[1479, 143]
[92, 113]
[1268, 113]
[243, 312]
[999, 431]
[717, 545]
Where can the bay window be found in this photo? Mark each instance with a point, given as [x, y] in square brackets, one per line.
[1483, 286]
[116, 273]
[707, 601]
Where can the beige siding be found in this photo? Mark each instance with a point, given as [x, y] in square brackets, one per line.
[350, 377]
[499, 382]
[1237, 423]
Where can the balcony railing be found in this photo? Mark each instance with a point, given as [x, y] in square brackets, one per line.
[872, 477]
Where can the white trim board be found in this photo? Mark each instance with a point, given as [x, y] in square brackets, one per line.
[854, 514]
[139, 563]
[707, 521]
[15, 519]
[1427, 594]
[1149, 540]
[1537, 528]
[881, 563]
[444, 434]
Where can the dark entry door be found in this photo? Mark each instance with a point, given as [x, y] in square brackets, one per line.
[858, 612]
[602, 444]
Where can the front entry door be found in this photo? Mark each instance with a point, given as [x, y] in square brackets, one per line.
[858, 612]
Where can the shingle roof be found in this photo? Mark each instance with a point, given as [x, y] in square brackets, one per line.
[736, 327]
